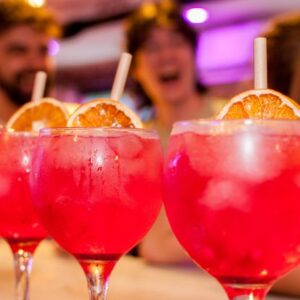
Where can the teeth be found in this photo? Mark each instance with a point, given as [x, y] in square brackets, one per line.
[169, 76]
[169, 71]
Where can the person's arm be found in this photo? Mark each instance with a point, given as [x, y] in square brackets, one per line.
[289, 285]
[160, 245]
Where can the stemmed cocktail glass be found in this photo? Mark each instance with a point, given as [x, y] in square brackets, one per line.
[232, 196]
[19, 224]
[97, 191]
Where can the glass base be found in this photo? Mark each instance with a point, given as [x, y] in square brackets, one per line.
[23, 251]
[25, 245]
[97, 273]
[246, 291]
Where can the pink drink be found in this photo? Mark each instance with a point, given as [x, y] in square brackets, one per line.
[233, 201]
[98, 192]
[19, 223]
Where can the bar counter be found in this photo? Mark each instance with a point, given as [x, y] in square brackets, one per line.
[58, 276]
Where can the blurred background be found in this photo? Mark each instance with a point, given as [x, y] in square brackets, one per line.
[93, 39]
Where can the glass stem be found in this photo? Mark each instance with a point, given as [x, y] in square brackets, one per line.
[23, 264]
[246, 292]
[97, 274]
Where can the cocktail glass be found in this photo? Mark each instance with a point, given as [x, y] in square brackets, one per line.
[19, 224]
[97, 191]
[232, 196]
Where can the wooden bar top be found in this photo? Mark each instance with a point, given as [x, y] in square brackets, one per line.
[58, 276]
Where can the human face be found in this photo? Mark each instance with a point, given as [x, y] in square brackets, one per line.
[23, 52]
[165, 67]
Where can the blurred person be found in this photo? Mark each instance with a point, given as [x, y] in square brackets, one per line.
[164, 67]
[165, 80]
[25, 34]
[283, 46]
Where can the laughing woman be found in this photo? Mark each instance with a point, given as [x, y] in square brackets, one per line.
[166, 82]
[164, 67]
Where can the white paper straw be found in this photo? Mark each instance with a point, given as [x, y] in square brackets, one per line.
[121, 76]
[260, 63]
[39, 86]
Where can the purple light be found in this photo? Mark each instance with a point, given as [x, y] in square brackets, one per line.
[54, 47]
[233, 63]
[196, 15]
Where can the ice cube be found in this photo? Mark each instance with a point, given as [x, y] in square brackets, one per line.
[126, 146]
[221, 193]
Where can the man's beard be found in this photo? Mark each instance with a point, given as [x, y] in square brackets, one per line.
[15, 93]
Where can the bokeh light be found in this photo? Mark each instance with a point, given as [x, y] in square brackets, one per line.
[54, 47]
[36, 3]
[196, 15]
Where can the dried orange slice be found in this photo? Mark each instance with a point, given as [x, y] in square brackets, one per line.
[104, 113]
[33, 116]
[260, 104]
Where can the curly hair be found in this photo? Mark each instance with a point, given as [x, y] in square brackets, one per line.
[283, 46]
[165, 14]
[18, 12]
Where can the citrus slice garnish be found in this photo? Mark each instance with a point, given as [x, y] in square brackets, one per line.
[104, 113]
[260, 104]
[33, 116]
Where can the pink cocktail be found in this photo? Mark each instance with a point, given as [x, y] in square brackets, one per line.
[19, 223]
[233, 199]
[97, 191]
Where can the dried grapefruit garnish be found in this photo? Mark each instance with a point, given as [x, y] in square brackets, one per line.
[104, 113]
[33, 116]
[260, 104]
